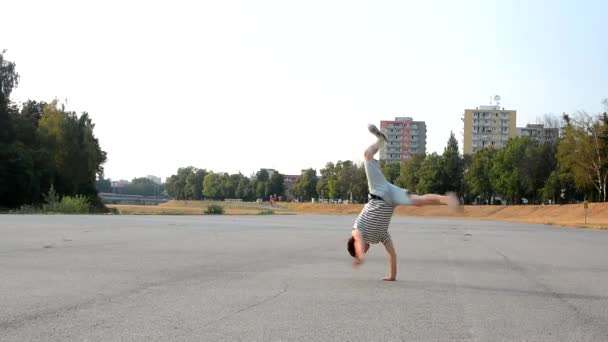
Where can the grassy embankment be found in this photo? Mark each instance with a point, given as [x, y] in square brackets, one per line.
[564, 215]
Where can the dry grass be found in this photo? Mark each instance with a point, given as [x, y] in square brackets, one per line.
[197, 208]
[558, 215]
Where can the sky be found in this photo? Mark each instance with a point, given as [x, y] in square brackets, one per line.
[235, 86]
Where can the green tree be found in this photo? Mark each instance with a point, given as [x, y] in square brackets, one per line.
[103, 185]
[305, 187]
[228, 186]
[26, 123]
[431, 174]
[9, 79]
[143, 187]
[508, 174]
[244, 189]
[409, 172]
[359, 187]
[478, 178]
[391, 171]
[194, 183]
[452, 167]
[69, 140]
[186, 184]
[16, 168]
[262, 175]
[277, 186]
[583, 152]
[212, 186]
[328, 175]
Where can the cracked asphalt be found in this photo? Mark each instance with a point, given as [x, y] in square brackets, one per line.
[289, 278]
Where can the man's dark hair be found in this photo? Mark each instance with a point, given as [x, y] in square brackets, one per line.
[350, 246]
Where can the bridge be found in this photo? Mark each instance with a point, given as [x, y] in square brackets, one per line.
[111, 198]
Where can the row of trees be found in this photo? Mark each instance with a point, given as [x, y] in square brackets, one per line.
[43, 145]
[573, 168]
[346, 180]
[191, 183]
[139, 186]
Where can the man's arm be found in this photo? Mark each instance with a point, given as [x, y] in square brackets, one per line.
[359, 248]
[392, 260]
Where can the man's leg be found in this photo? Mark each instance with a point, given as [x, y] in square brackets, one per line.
[377, 183]
[429, 199]
[373, 148]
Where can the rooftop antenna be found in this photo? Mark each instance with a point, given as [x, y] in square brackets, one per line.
[497, 100]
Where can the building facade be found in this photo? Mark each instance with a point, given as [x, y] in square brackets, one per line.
[487, 126]
[405, 137]
[539, 132]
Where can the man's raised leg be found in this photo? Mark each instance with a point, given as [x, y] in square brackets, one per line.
[373, 148]
[429, 199]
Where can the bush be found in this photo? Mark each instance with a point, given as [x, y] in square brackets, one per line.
[214, 209]
[25, 209]
[266, 212]
[78, 204]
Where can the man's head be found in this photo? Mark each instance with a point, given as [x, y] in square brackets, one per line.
[350, 246]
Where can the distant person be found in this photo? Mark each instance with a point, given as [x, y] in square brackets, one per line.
[371, 226]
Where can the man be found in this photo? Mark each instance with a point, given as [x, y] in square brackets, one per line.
[371, 226]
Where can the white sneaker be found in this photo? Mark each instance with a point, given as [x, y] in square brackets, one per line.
[375, 131]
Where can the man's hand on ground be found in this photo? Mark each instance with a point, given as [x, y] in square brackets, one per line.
[357, 262]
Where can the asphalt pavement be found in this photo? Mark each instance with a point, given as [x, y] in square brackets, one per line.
[289, 278]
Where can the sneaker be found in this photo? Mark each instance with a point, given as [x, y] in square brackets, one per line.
[375, 131]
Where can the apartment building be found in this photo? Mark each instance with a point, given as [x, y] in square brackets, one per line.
[405, 137]
[488, 126]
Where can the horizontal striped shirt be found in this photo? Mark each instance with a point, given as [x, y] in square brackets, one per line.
[373, 221]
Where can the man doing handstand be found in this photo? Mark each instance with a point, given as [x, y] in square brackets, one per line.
[371, 226]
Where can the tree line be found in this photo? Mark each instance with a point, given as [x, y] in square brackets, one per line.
[572, 168]
[44, 146]
[191, 183]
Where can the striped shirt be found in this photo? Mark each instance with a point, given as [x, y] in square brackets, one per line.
[373, 221]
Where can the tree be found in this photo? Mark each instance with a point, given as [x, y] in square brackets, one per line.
[277, 187]
[244, 189]
[391, 171]
[305, 187]
[359, 188]
[583, 152]
[212, 186]
[328, 175]
[409, 172]
[26, 123]
[452, 166]
[69, 140]
[9, 79]
[262, 175]
[43, 145]
[431, 174]
[16, 175]
[228, 186]
[103, 185]
[194, 183]
[187, 184]
[509, 175]
[478, 178]
[143, 187]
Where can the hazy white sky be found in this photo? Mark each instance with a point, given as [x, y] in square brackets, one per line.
[239, 85]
